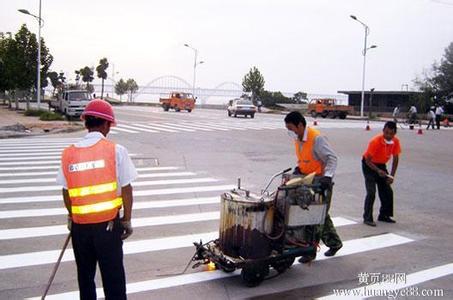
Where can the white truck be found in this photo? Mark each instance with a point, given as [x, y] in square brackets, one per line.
[71, 103]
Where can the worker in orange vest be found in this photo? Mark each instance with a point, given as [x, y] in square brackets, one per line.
[96, 176]
[379, 151]
[314, 154]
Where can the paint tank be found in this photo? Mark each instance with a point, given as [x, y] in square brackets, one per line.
[244, 221]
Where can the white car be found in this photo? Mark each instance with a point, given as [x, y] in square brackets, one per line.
[241, 107]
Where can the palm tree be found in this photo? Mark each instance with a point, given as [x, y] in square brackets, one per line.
[103, 65]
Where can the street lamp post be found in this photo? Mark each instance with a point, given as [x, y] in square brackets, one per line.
[38, 71]
[195, 64]
[365, 50]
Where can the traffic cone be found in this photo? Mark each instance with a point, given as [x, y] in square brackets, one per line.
[315, 123]
[367, 128]
[420, 131]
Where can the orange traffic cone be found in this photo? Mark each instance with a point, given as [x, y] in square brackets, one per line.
[367, 128]
[315, 123]
[420, 131]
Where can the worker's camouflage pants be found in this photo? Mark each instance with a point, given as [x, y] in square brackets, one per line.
[325, 232]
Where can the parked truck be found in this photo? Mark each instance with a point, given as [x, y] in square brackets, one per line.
[328, 107]
[178, 101]
[71, 103]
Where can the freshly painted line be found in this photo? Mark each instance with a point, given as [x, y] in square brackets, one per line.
[34, 147]
[141, 193]
[134, 184]
[391, 288]
[31, 232]
[366, 244]
[172, 127]
[153, 128]
[118, 128]
[26, 213]
[135, 128]
[52, 179]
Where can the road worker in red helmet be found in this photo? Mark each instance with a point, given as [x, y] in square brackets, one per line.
[96, 175]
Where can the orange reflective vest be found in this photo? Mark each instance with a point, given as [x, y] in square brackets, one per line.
[90, 174]
[306, 160]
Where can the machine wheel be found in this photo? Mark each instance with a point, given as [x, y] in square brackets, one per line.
[252, 116]
[177, 109]
[313, 114]
[254, 273]
[229, 114]
[324, 114]
[226, 269]
[235, 115]
[189, 110]
[166, 108]
[342, 116]
[282, 265]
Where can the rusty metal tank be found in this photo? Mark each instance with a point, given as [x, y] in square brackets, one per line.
[244, 221]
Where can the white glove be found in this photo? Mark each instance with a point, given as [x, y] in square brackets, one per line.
[127, 229]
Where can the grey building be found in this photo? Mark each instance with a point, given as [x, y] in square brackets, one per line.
[381, 101]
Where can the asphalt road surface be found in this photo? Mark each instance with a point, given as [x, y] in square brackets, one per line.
[185, 161]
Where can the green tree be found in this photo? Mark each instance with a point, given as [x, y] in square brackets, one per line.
[437, 82]
[121, 88]
[103, 65]
[253, 82]
[132, 87]
[54, 81]
[77, 78]
[87, 76]
[299, 97]
[270, 99]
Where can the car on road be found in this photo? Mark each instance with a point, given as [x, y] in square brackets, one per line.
[178, 101]
[241, 107]
[71, 103]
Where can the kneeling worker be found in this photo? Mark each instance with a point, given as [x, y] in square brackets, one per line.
[314, 154]
[96, 176]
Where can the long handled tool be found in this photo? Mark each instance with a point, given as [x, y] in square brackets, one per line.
[55, 268]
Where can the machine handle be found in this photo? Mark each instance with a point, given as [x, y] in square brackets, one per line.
[272, 179]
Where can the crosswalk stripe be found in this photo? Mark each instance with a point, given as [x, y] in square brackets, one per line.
[52, 179]
[55, 173]
[119, 128]
[223, 125]
[58, 166]
[31, 232]
[200, 125]
[26, 213]
[29, 158]
[154, 128]
[44, 162]
[135, 128]
[160, 125]
[195, 127]
[14, 148]
[149, 245]
[134, 184]
[31, 151]
[350, 247]
[10, 154]
[140, 193]
[372, 290]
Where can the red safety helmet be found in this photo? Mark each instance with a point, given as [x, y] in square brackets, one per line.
[100, 109]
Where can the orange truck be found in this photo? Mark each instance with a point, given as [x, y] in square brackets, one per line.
[178, 101]
[328, 107]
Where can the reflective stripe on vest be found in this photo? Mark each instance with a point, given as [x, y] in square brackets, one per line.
[98, 207]
[91, 177]
[93, 190]
[306, 161]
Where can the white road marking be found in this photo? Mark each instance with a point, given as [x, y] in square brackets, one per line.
[154, 128]
[350, 247]
[135, 128]
[171, 127]
[118, 127]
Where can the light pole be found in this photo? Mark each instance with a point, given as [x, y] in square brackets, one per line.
[195, 64]
[365, 50]
[40, 24]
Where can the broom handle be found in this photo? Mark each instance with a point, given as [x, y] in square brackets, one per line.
[55, 268]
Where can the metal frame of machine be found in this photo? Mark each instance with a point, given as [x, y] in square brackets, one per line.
[292, 208]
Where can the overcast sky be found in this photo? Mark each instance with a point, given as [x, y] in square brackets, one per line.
[308, 45]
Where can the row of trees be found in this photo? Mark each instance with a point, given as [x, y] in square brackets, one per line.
[128, 87]
[253, 82]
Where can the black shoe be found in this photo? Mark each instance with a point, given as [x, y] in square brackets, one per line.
[306, 259]
[386, 219]
[369, 223]
[332, 251]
